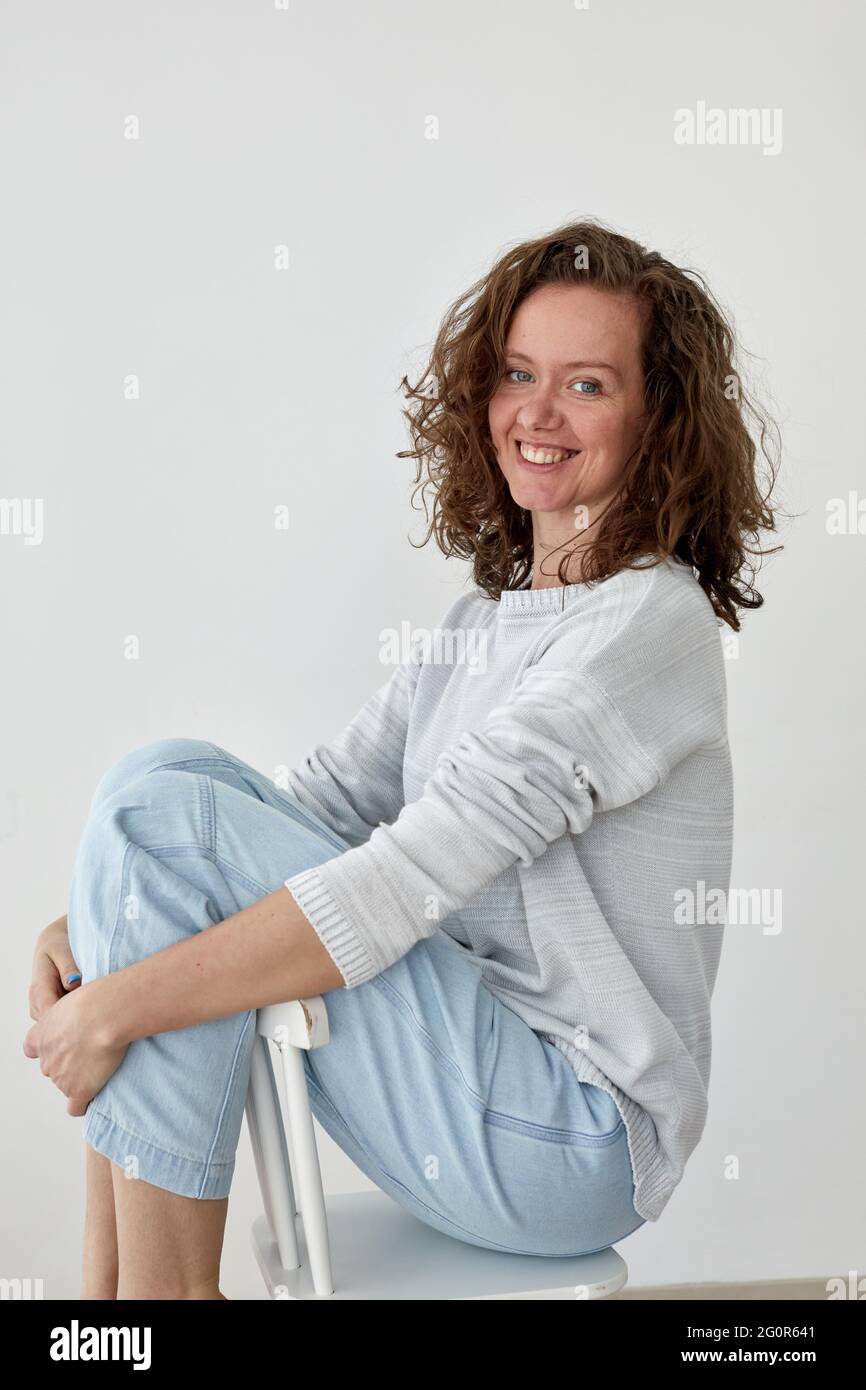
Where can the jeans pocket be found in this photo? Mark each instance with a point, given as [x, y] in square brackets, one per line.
[562, 1198]
[548, 1134]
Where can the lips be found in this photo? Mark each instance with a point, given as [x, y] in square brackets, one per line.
[552, 444]
[545, 458]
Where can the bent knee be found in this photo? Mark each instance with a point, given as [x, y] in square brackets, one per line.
[162, 754]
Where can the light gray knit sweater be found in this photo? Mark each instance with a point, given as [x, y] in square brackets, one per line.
[548, 780]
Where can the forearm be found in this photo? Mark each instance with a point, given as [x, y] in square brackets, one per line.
[266, 954]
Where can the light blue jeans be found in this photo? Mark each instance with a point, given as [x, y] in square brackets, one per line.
[446, 1099]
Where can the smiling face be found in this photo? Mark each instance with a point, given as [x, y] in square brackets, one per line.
[568, 411]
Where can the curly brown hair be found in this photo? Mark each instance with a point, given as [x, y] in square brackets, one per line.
[691, 489]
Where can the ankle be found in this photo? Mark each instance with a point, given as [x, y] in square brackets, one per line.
[175, 1293]
[99, 1283]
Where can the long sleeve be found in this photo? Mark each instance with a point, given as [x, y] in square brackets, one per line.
[543, 763]
[356, 781]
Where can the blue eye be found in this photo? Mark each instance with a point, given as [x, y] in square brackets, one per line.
[594, 386]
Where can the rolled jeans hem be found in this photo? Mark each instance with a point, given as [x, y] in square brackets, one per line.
[188, 1177]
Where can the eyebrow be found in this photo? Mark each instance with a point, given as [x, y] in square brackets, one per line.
[568, 366]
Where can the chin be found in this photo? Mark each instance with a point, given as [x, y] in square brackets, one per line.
[536, 496]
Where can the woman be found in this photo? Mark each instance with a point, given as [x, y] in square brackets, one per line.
[498, 873]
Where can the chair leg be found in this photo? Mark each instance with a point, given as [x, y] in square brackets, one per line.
[288, 1162]
[256, 1142]
[305, 1164]
[274, 1178]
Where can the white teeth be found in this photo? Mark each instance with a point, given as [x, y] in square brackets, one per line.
[545, 455]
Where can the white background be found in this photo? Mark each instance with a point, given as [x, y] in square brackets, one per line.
[306, 127]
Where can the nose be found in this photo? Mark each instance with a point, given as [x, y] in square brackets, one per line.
[539, 410]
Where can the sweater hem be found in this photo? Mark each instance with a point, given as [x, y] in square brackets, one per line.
[339, 938]
[654, 1182]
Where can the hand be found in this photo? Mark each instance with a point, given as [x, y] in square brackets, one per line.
[77, 1048]
[52, 966]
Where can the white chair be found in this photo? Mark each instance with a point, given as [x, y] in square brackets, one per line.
[379, 1250]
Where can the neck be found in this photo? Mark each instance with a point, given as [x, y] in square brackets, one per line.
[547, 557]
[554, 536]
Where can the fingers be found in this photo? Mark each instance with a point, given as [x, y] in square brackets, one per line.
[67, 970]
[77, 1104]
[45, 988]
[53, 976]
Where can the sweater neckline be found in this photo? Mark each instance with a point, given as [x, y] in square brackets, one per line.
[552, 599]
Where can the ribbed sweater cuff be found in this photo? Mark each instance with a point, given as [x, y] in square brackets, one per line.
[336, 934]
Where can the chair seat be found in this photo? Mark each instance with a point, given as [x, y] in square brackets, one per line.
[381, 1251]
